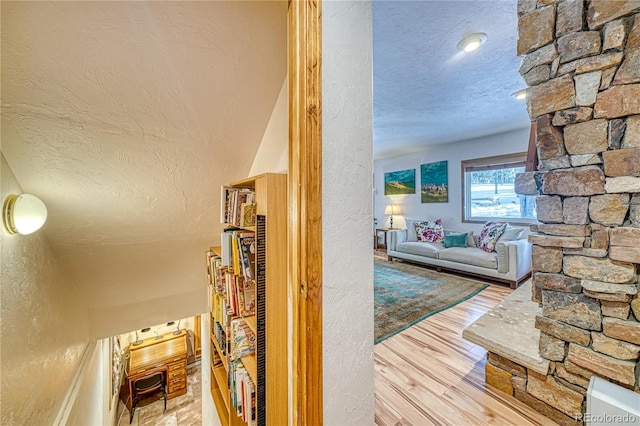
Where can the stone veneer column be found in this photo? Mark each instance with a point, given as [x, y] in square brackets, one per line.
[581, 61]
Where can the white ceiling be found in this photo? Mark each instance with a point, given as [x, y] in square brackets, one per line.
[426, 91]
[126, 117]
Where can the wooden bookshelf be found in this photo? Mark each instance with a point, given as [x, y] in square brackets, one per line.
[251, 322]
[251, 365]
[267, 367]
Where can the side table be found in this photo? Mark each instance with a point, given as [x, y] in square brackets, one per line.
[381, 237]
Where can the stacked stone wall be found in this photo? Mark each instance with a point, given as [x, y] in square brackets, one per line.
[553, 395]
[581, 61]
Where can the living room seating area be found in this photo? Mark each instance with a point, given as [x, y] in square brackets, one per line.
[506, 259]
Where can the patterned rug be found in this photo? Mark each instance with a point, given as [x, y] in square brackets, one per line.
[406, 294]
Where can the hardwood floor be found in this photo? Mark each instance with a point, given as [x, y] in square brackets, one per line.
[429, 375]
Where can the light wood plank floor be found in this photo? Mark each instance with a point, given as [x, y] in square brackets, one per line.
[429, 375]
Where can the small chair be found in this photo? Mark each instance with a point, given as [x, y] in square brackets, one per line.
[145, 385]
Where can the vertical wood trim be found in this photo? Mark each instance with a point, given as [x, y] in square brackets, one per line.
[531, 163]
[305, 204]
[197, 336]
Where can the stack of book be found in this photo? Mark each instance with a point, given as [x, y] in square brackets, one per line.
[238, 254]
[243, 393]
[238, 206]
[213, 261]
[242, 345]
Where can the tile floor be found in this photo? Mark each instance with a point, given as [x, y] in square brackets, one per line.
[184, 410]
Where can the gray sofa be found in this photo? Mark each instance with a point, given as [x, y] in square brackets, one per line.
[510, 263]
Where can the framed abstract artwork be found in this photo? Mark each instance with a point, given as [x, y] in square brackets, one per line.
[400, 182]
[434, 182]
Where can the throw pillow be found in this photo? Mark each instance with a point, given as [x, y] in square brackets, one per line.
[470, 241]
[455, 240]
[430, 232]
[489, 235]
[511, 233]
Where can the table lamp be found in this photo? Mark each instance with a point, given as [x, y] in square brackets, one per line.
[392, 209]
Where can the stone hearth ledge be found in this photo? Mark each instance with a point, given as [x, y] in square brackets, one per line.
[509, 330]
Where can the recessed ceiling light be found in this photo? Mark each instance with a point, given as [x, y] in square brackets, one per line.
[520, 94]
[472, 42]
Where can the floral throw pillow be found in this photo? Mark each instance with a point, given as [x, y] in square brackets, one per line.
[491, 232]
[430, 232]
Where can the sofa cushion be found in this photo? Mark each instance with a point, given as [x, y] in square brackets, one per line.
[411, 230]
[470, 256]
[420, 249]
[470, 238]
[455, 240]
[430, 232]
[489, 235]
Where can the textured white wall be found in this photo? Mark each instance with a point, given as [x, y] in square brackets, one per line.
[273, 153]
[44, 324]
[210, 415]
[130, 316]
[91, 389]
[347, 158]
[454, 153]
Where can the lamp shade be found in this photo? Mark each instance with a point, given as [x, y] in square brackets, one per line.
[392, 209]
[24, 214]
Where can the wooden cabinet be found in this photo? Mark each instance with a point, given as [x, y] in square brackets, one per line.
[167, 354]
[267, 366]
[177, 378]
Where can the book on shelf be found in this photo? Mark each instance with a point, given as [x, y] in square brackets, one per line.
[221, 337]
[242, 339]
[243, 395]
[224, 203]
[210, 275]
[249, 306]
[235, 254]
[247, 242]
[219, 310]
[250, 402]
[232, 294]
[248, 215]
[219, 284]
[240, 296]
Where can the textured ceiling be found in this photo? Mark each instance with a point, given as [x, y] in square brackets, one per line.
[427, 92]
[125, 118]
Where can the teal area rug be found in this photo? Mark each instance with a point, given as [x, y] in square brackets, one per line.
[405, 294]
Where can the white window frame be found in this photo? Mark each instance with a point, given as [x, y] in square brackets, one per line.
[497, 162]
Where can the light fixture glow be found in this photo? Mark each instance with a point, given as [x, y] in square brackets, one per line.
[23, 214]
[392, 209]
[520, 94]
[472, 42]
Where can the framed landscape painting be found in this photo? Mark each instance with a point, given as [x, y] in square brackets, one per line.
[434, 183]
[401, 182]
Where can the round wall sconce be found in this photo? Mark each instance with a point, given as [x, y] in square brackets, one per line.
[472, 42]
[23, 214]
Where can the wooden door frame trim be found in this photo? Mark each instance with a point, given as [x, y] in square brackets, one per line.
[305, 207]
